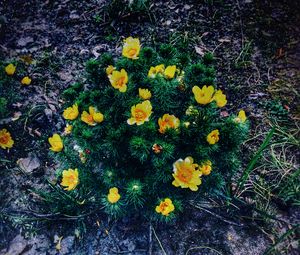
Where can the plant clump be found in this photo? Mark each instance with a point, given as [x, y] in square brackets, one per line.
[145, 134]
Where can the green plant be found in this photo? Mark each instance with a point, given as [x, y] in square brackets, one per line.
[142, 119]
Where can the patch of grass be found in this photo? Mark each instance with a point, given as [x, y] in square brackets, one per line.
[244, 58]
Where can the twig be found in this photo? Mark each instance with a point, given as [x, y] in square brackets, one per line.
[203, 247]
[150, 240]
[217, 215]
[159, 242]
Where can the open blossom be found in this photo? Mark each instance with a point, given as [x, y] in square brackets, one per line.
[113, 195]
[92, 117]
[165, 207]
[131, 48]
[205, 95]
[213, 137]
[140, 113]
[144, 93]
[119, 79]
[71, 113]
[109, 69]
[168, 121]
[10, 69]
[170, 72]
[56, 143]
[26, 80]
[154, 70]
[185, 174]
[6, 141]
[205, 167]
[241, 118]
[70, 179]
[220, 98]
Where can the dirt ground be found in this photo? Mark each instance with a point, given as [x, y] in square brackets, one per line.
[256, 44]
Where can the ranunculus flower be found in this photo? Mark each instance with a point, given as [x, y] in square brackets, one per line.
[68, 129]
[131, 48]
[70, 179]
[168, 121]
[154, 70]
[26, 80]
[93, 117]
[109, 69]
[170, 72]
[144, 93]
[119, 79]
[113, 195]
[71, 113]
[186, 175]
[10, 69]
[205, 167]
[220, 98]
[213, 137]
[6, 141]
[165, 207]
[205, 95]
[56, 143]
[241, 118]
[140, 113]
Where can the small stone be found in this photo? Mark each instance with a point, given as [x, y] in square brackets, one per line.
[29, 164]
[22, 42]
[17, 246]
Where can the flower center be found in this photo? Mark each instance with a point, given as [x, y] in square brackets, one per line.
[120, 82]
[132, 52]
[140, 115]
[90, 119]
[4, 139]
[185, 174]
[164, 206]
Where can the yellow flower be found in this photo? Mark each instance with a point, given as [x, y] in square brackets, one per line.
[56, 143]
[165, 207]
[131, 48]
[68, 129]
[186, 175]
[10, 69]
[241, 118]
[159, 69]
[93, 117]
[205, 167]
[213, 137]
[203, 96]
[140, 113]
[119, 79]
[71, 113]
[170, 72]
[6, 141]
[144, 94]
[26, 80]
[109, 69]
[167, 121]
[70, 179]
[113, 195]
[220, 98]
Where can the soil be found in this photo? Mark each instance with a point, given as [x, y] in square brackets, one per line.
[256, 45]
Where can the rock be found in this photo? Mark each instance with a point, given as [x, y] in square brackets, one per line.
[67, 244]
[29, 164]
[17, 246]
[22, 42]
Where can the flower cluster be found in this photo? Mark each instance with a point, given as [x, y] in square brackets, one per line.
[161, 136]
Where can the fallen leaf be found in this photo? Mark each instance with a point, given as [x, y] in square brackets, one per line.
[200, 51]
[16, 116]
